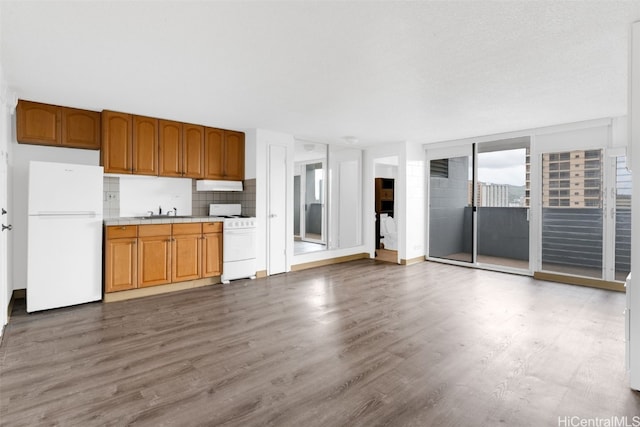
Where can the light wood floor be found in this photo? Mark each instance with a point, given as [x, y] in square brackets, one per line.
[387, 255]
[362, 343]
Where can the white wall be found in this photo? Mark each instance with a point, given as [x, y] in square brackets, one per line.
[250, 154]
[345, 198]
[7, 104]
[22, 155]
[413, 223]
[140, 194]
[386, 171]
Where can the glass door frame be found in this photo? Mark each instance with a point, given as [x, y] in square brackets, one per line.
[459, 151]
[599, 140]
[471, 149]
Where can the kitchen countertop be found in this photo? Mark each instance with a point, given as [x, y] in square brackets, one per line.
[159, 220]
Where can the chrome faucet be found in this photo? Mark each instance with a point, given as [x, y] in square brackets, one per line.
[150, 213]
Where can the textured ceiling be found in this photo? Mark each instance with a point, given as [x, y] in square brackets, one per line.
[381, 71]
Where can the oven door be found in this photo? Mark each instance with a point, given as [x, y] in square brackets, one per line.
[239, 245]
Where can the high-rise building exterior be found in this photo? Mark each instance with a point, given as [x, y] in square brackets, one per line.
[490, 195]
[570, 179]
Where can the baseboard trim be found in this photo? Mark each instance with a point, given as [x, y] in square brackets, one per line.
[158, 290]
[412, 260]
[580, 281]
[330, 261]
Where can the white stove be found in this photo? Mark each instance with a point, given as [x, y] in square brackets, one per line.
[238, 242]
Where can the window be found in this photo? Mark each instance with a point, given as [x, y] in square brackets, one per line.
[440, 168]
[592, 164]
[592, 154]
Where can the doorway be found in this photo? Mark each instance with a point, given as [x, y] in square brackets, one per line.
[386, 218]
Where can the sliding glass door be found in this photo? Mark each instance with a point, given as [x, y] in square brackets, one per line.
[478, 206]
[487, 199]
[573, 212]
[450, 208]
[502, 203]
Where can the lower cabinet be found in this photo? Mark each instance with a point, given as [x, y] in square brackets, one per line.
[121, 258]
[186, 250]
[211, 249]
[138, 256]
[154, 255]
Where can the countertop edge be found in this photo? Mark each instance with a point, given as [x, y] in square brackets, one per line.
[167, 220]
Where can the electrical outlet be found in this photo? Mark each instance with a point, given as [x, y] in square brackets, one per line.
[111, 196]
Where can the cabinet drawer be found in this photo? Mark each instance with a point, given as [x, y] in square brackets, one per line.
[187, 228]
[121, 231]
[154, 230]
[212, 227]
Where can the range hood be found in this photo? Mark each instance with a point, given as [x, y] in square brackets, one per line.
[218, 185]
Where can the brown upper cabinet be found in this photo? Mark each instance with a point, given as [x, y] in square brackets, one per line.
[149, 146]
[130, 143]
[117, 147]
[145, 145]
[193, 151]
[46, 124]
[170, 148]
[224, 154]
[181, 149]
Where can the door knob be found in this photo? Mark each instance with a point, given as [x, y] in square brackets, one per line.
[4, 211]
[7, 227]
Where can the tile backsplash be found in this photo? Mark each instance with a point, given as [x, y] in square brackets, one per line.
[200, 200]
[247, 198]
[111, 197]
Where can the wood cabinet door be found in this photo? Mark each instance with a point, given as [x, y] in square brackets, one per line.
[193, 151]
[154, 260]
[170, 148]
[145, 145]
[80, 128]
[213, 153]
[234, 155]
[212, 254]
[120, 266]
[38, 123]
[185, 256]
[117, 149]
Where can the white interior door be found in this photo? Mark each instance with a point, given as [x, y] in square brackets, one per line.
[277, 208]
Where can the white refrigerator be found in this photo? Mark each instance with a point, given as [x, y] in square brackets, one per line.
[64, 243]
